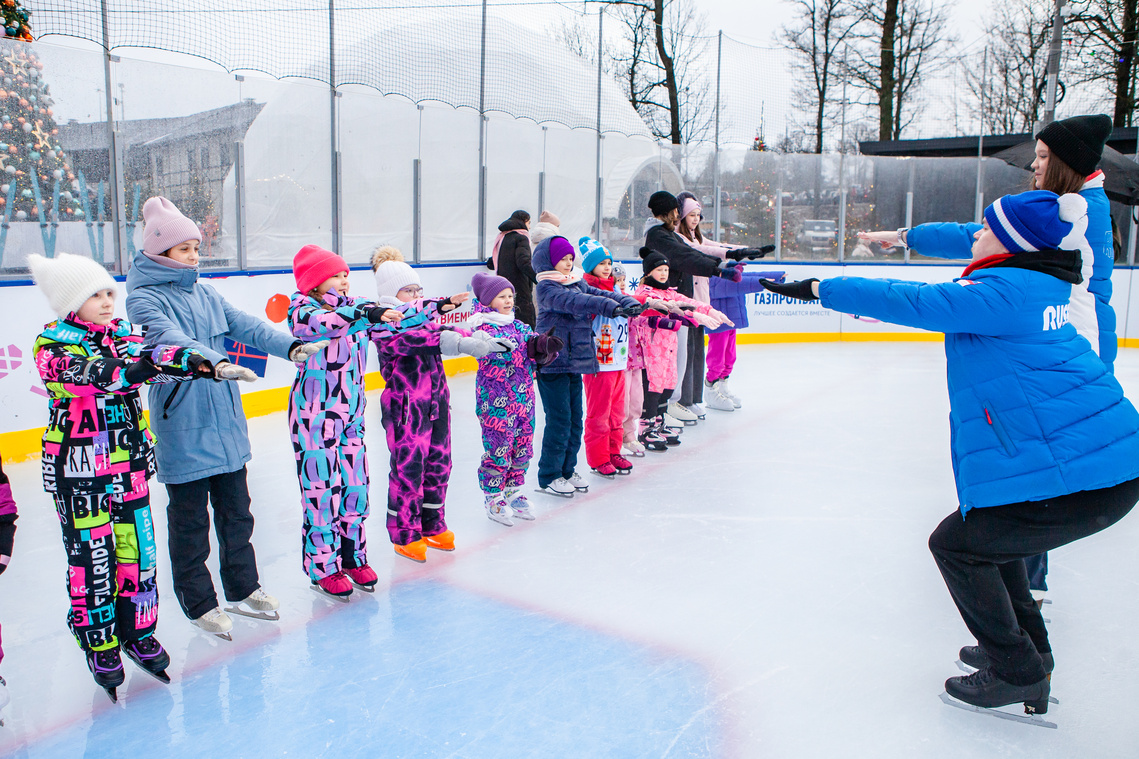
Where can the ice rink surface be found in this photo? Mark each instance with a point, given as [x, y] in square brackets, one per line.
[764, 590]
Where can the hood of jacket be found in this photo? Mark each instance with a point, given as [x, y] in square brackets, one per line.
[511, 224]
[540, 258]
[145, 271]
[1064, 265]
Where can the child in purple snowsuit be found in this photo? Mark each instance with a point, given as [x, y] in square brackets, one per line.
[504, 398]
[416, 405]
[326, 419]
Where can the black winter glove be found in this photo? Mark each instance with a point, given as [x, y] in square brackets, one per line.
[750, 253]
[376, 314]
[628, 311]
[800, 290]
[544, 348]
[7, 537]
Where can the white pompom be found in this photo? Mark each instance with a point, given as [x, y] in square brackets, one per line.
[1073, 207]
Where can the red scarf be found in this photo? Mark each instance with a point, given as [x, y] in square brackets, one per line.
[986, 262]
[609, 283]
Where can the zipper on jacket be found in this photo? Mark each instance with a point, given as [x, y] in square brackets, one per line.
[999, 430]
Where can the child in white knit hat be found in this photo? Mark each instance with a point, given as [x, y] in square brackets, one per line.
[97, 458]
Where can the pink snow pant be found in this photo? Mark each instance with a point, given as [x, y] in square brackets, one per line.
[604, 416]
[721, 355]
[634, 400]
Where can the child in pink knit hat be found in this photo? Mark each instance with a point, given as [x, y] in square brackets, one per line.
[326, 420]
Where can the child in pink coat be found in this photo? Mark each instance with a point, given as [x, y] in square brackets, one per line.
[655, 344]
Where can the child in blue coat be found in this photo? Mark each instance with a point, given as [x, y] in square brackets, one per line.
[566, 305]
[1045, 446]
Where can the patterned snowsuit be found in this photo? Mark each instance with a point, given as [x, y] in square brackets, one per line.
[504, 403]
[7, 516]
[97, 457]
[326, 420]
[656, 348]
[416, 407]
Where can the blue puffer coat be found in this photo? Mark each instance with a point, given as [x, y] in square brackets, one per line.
[950, 240]
[569, 311]
[730, 298]
[202, 432]
[1034, 413]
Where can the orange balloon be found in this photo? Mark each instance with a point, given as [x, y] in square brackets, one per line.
[277, 309]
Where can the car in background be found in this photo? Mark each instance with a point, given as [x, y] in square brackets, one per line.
[818, 233]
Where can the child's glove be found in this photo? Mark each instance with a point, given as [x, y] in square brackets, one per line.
[731, 271]
[544, 348]
[628, 311]
[664, 322]
[497, 344]
[656, 304]
[800, 290]
[478, 345]
[164, 363]
[228, 371]
[7, 536]
[377, 314]
[739, 254]
[302, 352]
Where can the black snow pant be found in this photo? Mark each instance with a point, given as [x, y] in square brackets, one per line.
[692, 384]
[189, 527]
[982, 557]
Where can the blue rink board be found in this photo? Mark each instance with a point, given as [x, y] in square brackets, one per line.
[422, 670]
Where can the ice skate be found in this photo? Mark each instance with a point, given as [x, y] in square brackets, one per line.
[519, 505]
[650, 437]
[606, 470]
[363, 577]
[727, 393]
[633, 448]
[578, 482]
[5, 699]
[496, 510]
[336, 586]
[717, 400]
[107, 669]
[983, 692]
[259, 605]
[672, 424]
[695, 408]
[415, 550]
[671, 436]
[215, 621]
[621, 464]
[559, 487]
[149, 654]
[444, 541]
[975, 658]
[681, 414]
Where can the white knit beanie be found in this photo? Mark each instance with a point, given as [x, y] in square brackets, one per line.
[69, 280]
[393, 276]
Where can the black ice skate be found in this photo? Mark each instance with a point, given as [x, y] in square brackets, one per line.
[4, 699]
[107, 669]
[984, 692]
[974, 658]
[149, 654]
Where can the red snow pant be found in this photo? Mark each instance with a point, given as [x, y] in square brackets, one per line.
[604, 415]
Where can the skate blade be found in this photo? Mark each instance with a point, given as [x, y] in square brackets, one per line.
[267, 616]
[112, 694]
[160, 675]
[969, 670]
[624, 472]
[365, 588]
[554, 493]
[321, 591]
[1027, 719]
[606, 476]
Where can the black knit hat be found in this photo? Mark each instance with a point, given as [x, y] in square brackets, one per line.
[661, 202]
[651, 259]
[1078, 141]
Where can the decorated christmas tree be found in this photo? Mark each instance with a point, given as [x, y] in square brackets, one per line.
[31, 157]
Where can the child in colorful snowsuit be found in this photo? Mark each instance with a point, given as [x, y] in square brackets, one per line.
[504, 398]
[97, 457]
[416, 405]
[203, 440]
[7, 535]
[566, 305]
[605, 390]
[326, 419]
[656, 345]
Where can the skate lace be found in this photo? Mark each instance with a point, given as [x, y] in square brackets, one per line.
[146, 646]
[108, 659]
[980, 678]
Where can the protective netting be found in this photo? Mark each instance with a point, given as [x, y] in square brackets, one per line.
[420, 50]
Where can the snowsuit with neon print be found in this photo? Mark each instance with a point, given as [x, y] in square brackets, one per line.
[416, 407]
[326, 422]
[504, 403]
[97, 457]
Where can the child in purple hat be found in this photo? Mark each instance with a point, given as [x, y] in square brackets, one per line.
[504, 398]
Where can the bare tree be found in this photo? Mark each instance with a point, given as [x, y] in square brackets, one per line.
[813, 38]
[1107, 37]
[1008, 79]
[899, 43]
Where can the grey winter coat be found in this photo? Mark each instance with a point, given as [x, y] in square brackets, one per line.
[200, 426]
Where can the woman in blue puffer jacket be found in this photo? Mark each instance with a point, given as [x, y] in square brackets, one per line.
[566, 307]
[1045, 446]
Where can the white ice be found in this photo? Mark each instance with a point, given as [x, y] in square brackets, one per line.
[764, 590]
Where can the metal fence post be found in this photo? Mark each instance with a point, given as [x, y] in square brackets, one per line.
[910, 204]
[333, 127]
[416, 196]
[114, 164]
[481, 255]
[716, 156]
[239, 204]
[779, 208]
[600, 189]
